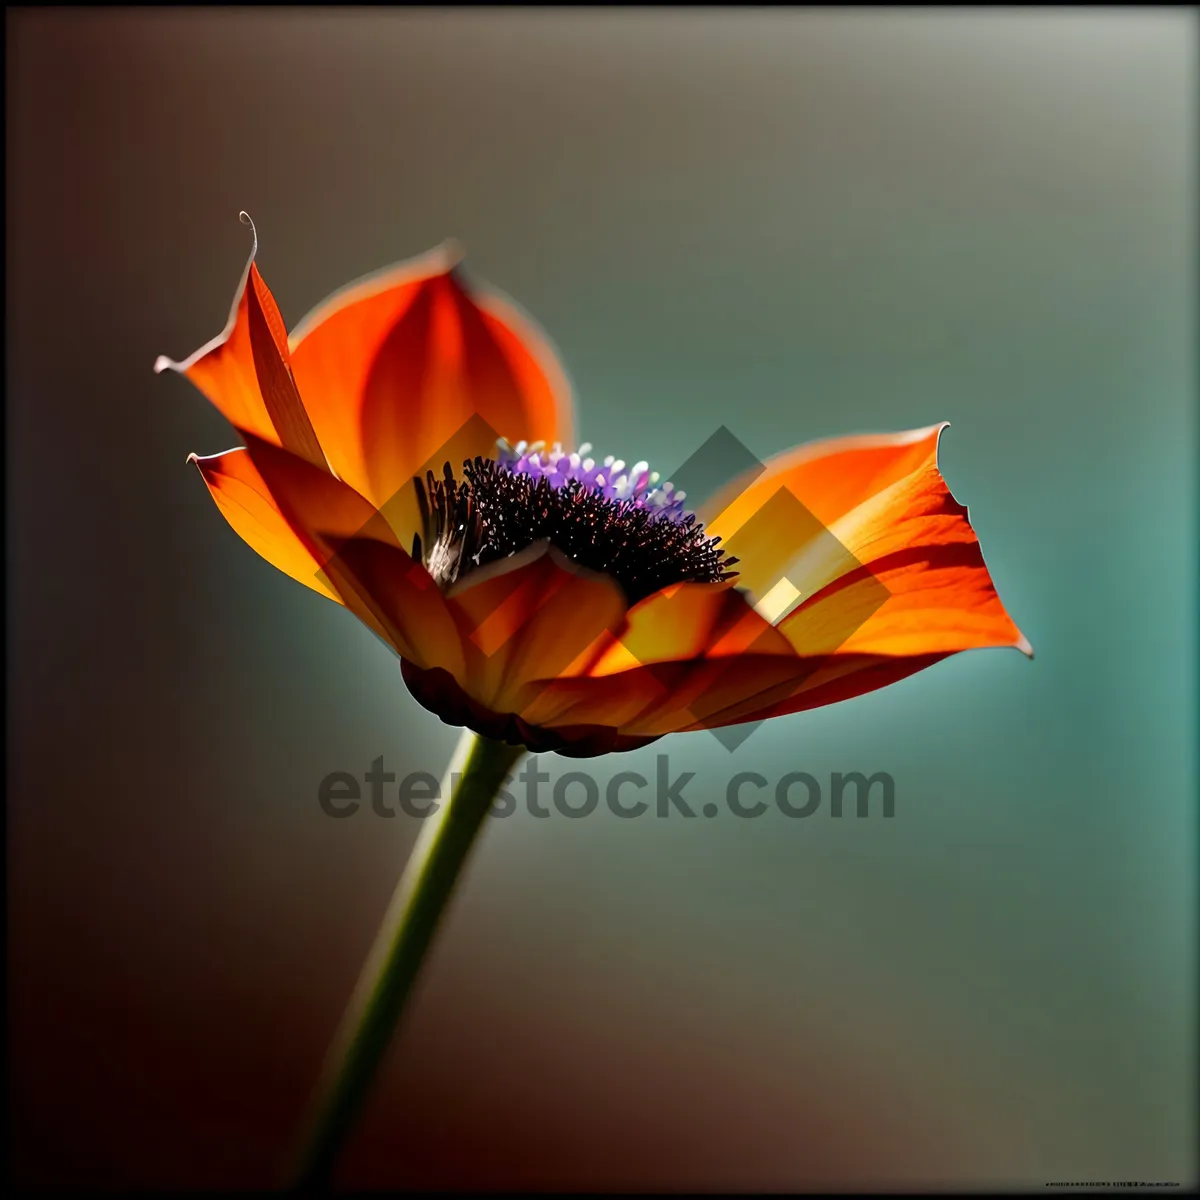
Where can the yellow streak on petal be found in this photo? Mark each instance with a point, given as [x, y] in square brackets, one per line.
[777, 601]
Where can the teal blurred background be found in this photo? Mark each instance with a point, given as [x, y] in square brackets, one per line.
[797, 224]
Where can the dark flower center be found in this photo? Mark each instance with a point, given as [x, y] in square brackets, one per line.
[639, 536]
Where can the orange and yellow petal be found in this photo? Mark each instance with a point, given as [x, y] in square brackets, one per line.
[830, 477]
[818, 683]
[683, 652]
[529, 617]
[319, 531]
[245, 501]
[920, 585]
[398, 599]
[246, 372]
[413, 367]
[894, 584]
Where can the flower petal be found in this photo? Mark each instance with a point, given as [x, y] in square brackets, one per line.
[921, 587]
[685, 651]
[397, 596]
[886, 560]
[528, 618]
[412, 367]
[688, 621]
[438, 691]
[246, 502]
[830, 477]
[894, 584]
[318, 530]
[820, 682]
[245, 371]
[653, 701]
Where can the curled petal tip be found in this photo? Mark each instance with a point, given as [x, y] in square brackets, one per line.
[163, 363]
[192, 458]
[453, 252]
[1024, 646]
[246, 219]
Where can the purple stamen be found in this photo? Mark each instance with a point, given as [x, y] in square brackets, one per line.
[611, 479]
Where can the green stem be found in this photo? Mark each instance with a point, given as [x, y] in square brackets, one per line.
[387, 978]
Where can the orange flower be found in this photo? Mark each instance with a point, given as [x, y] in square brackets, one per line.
[543, 599]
